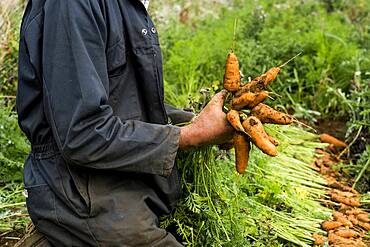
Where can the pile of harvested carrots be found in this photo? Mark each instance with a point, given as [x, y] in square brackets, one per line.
[248, 114]
[350, 223]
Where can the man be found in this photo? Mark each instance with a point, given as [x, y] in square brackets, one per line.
[90, 100]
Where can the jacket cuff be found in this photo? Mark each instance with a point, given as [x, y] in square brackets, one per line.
[173, 146]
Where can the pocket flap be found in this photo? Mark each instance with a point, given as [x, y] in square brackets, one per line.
[116, 56]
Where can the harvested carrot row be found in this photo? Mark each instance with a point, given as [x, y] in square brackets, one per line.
[234, 119]
[326, 138]
[255, 130]
[248, 100]
[242, 148]
[268, 115]
[232, 74]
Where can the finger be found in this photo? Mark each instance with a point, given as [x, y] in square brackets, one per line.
[219, 97]
[223, 93]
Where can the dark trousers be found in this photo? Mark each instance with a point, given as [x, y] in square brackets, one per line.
[114, 217]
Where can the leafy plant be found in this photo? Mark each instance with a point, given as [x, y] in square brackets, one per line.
[13, 150]
[275, 201]
[10, 18]
[13, 146]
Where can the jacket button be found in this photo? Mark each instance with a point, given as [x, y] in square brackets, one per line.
[153, 30]
[144, 31]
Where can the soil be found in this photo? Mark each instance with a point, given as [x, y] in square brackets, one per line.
[336, 128]
[4, 241]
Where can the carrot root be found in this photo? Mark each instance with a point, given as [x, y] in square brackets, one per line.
[232, 74]
[259, 137]
[234, 119]
[326, 138]
[330, 225]
[242, 148]
[267, 114]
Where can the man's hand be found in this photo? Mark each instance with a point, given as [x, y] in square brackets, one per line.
[209, 127]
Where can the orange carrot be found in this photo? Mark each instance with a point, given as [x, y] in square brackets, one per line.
[342, 219]
[346, 233]
[333, 238]
[271, 75]
[339, 241]
[259, 83]
[342, 193]
[355, 211]
[363, 217]
[330, 225]
[234, 119]
[273, 140]
[242, 148]
[248, 100]
[336, 185]
[262, 81]
[255, 130]
[319, 239]
[353, 219]
[326, 138]
[348, 201]
[232, 73]
[256, 85]
[268, 115]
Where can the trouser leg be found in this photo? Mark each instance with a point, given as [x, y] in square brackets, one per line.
[118, 218]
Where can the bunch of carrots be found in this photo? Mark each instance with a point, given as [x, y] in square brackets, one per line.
[250, 96]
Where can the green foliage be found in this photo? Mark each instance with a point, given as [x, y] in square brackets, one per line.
[13, 146]
[274, 202]
[10, 18]
[321, 79]
[195, 60]
[13, 150]
[13, 213]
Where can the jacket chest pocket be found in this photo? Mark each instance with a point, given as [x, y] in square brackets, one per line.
[123, 95]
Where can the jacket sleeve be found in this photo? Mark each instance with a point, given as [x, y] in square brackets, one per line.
[76, 87]
[178, 116]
